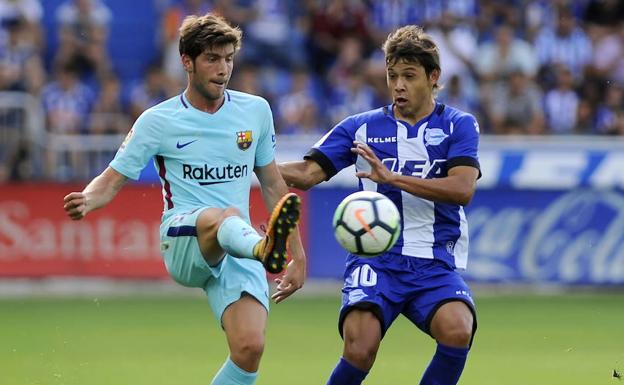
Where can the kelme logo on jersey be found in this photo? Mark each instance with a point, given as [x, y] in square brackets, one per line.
[207, 175]
[244, 139]
[434, 136]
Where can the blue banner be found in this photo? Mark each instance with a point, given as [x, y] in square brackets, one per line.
[516, 236]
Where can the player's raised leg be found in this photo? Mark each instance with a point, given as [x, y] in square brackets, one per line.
[223, 230]
[452, 328]
[244, 323]
[362, 336]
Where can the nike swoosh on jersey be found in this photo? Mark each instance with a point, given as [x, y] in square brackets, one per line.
[209, 183]
[178, 145]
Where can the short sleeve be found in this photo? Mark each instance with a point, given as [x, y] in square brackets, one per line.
[464, 144]
[265, 152]
[141, 144]
[333, 151]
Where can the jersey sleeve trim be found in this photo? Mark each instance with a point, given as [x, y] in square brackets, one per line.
[118, 167]
[323, 161]
[463, 161]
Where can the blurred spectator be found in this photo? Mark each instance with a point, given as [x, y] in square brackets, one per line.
[618, 129]
[350, 54]
[585, 116]
[455, 95]
[21, 68]
[83, 33]
[496, 59]
[331, 22]
[153, 89]
[29, 13]
[516, 106]
[604, 13]
[298, 109]
[67, 104]
[561, 104]
[246, 79]
[108, 115]
[608, 112]
[608, 59]
[350, 96]
[457, 43]
[566, 44]
[169, 35]
[273, 30]
[385, 16]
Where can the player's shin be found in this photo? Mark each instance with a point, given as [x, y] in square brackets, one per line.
[446, 366]
[346, 374]
[237, 237]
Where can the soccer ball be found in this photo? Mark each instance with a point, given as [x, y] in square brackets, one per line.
[367, 223]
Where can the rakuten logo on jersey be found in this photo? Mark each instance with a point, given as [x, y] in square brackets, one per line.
[207, 175]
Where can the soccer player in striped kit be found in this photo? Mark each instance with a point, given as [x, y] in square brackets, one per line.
[421, 154]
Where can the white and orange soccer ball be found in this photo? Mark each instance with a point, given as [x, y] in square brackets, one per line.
[367, 223]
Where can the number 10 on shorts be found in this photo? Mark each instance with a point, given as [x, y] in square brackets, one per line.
[363, 276]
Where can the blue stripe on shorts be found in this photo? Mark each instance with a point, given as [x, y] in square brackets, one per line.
[182, 231]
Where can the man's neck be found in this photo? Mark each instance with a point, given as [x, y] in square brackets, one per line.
[202, 103]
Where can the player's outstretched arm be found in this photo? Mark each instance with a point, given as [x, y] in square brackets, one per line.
[303, 174]
[273, 189]
[101, 190]
[457, 188]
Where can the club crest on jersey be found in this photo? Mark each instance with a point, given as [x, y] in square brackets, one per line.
[244, 139]
[126, 139]
[434, 136]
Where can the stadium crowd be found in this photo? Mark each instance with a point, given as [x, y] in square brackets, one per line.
[540, 67]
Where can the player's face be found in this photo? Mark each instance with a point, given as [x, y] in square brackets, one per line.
[411, 89]
[210, 72]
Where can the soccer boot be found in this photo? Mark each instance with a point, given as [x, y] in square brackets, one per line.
[272, 251]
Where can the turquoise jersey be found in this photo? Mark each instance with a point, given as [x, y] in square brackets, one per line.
[202, 159]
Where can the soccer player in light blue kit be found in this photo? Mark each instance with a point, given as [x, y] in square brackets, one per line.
[422, 155]
[205, 144]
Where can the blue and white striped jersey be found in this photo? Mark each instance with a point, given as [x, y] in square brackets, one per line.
[446, 138]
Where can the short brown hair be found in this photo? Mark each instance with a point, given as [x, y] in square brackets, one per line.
[412, 45]
[199, 33]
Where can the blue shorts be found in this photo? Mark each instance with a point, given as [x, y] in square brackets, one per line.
[393, 284]
[223, 283]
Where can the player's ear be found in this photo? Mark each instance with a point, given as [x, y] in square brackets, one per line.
[187, 63]
[434, 77]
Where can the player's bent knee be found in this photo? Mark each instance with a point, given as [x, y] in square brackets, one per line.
[208, 221]
[453, 325]
[360, 353]
[456, 336]
[229, 212]
[248, 349]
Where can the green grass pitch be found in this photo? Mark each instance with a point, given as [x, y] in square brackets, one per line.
[522, 340]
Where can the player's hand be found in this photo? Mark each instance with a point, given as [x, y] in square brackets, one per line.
[378, 172]
[75, 205]
[291, 281]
